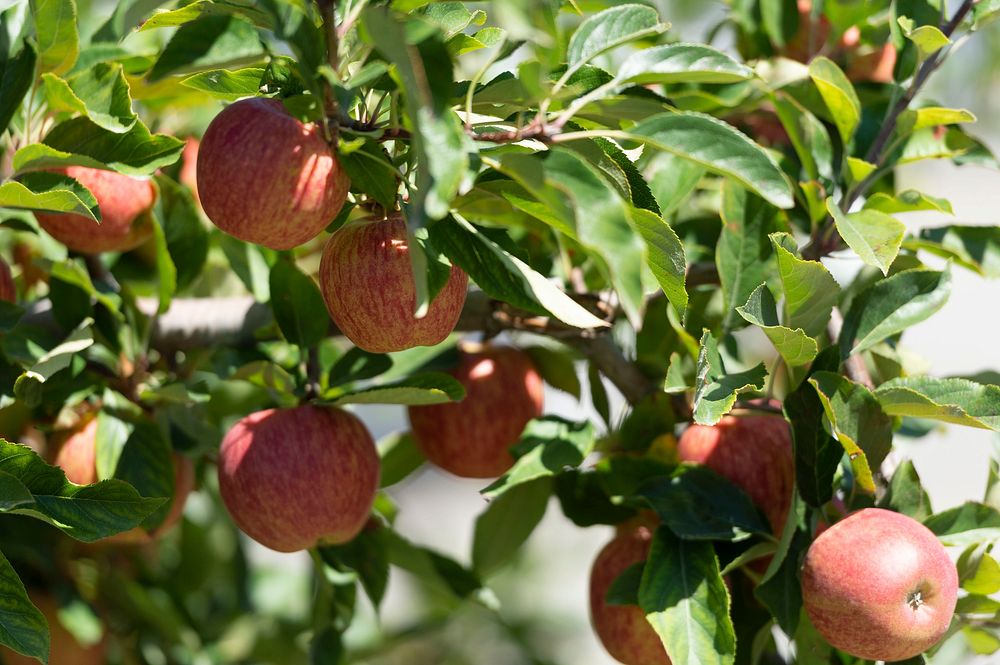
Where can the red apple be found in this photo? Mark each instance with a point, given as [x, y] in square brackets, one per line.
[754, 453]
[77, 456]
[8, 290]
[367, 283]
[878, 585]
[124, 203]
[267, 178]
[472, 438]
[623, 629]
[63, 647]
[296, 478]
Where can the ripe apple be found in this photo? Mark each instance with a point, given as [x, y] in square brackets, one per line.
[124, 203]
[266, 178]
[623, 629]
[8, 291]
[367, 283]
[878, 585]
[754, 453]
[472, 438]
[296, 478]
[77, 456]
[63, 647]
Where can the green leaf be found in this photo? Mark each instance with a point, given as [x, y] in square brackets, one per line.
[698, 504]
[780, 590]
[100, 92]
[874, 236]
[664, 256]
[808, 135]
[781, 20]
[417, 390]
[928, 38]
[892, 305]
[794, 346]
[507, 523]
[439, 573]
[61, 198]
[276, 380]
[817, 454]
[56, 33]
[909, 200]
[838, 95]
[80, 141]
[85, 512]
[557, 368]
[371, 172]
[16, 76]
[718, 147]
[249, 263]
[974, 247]
[22, 627]
[913, 120]
[610, 29]
[399, 456]
[226, 84]
[858, 423]
[165, 268]
[986, 579]
[184, 232]
[671, 180]
[810, 290]
[970, 523]
[547, 446]
[956, 401]
[681, 63]
[906, 495]
[686, 601]
[742, 252]
[189, 12]
[504, 276]
[715, 391]
[147, 464]
[298, 305]
[209, 42]
[28, 386]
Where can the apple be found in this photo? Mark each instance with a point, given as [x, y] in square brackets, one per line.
[367, 283]
[296, 478]
[879, 585]
[8, 290]
[623, 629]
[76, 455]
[754, 452]
[124, 202]
[472, 438]
[63, 647]
[266, 178]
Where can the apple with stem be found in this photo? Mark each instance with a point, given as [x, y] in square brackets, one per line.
[296, 478]
[367, 283]
[267, 178]
[125, 204]
[472, 438]
[879, 585]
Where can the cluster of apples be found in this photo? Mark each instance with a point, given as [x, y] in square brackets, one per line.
[877, 584]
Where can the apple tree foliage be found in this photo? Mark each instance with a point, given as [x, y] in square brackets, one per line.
[629, 201]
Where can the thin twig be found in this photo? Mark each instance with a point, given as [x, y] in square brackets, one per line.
[328, 8]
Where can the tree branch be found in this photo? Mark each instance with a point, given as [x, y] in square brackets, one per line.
[193, 323]
[824, 241]
[328, 8]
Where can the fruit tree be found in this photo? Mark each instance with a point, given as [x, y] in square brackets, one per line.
[243, 240]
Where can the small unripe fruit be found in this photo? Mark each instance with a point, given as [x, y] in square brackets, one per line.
[367, 282]
[124, 203]
[879, 585]
[267, 178]
[293, 479]
[623, 629]
[752, 452]
[472, 438]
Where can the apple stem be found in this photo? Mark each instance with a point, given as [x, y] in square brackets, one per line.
[915, 600]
